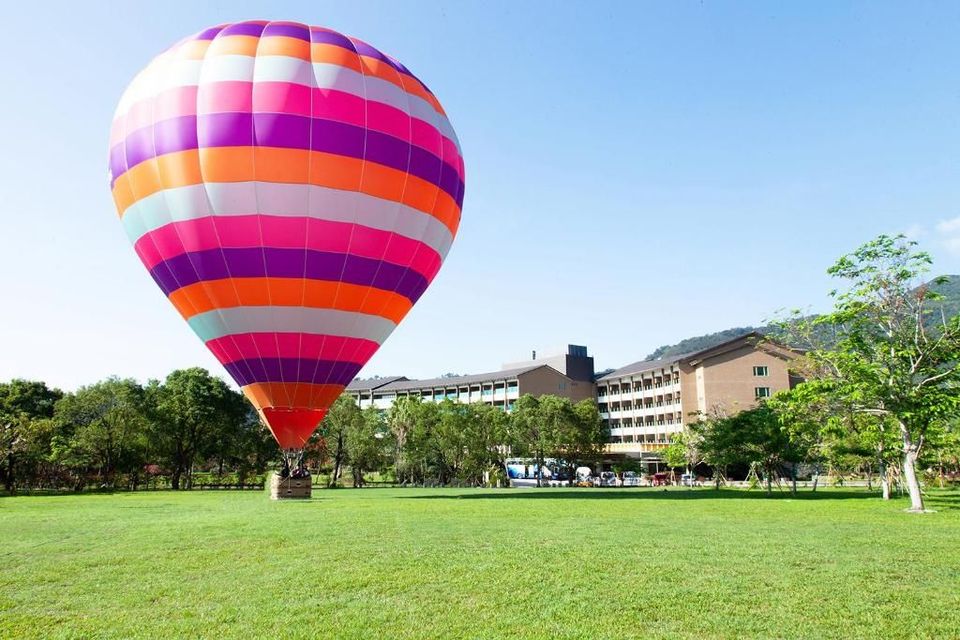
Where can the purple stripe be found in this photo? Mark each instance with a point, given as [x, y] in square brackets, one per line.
[211, 33]
[309, 370]
[287, 29]
[322, 36]
[244, 29]
[256, 262]
[286, 131]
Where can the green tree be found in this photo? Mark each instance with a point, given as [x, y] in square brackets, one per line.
[895, 358]
[534, 435]
[488, 442]
[587, 436]
[343, 418]
[684, 450]
[21, 402]
[190, 410]
[103, 430]
[367, 444]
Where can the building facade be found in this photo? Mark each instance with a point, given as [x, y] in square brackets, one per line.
[568, 375]
[643, 403]
[646, 402]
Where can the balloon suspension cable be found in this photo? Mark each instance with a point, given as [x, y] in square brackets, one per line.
[293, 465]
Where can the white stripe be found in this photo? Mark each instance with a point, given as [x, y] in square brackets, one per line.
[281, 199]
[167, 73]
[230, 68]
[236, 320]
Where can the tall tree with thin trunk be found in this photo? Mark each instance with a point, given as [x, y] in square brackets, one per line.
[897, 356]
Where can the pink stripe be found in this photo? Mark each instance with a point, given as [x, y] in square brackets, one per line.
[390, 120]
[292, 345]
[223, 97]
[284, 97]
[282, 232]
[181, 101]
[280, 97]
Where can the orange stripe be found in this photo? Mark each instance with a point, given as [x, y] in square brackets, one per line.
[233, 45]
[291, 394]
[236, 164]
[289, 292]
[333, 54]
[193, 50]
[413, 86]
[284, 46]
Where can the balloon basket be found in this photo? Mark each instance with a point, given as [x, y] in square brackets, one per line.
[290, 488]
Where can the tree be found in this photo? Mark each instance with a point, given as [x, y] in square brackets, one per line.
[189, 411]
[684, 450]
[103, 429]
[342, 419]
[534, 437]
[895, 358]
[21, 402]
[367, 442]
[488, 442]
[587, 438]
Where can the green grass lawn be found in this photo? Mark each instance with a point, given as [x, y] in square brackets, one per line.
[434, 563]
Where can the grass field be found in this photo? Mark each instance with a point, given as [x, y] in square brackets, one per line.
[550, 563]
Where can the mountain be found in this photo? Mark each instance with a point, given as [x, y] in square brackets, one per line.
[950, 291]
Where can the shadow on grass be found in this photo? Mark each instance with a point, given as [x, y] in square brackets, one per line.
[654, 494]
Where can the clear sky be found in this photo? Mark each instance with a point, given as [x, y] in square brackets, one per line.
[637, 173]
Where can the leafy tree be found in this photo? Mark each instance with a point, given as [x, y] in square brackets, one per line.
[367, 444]
[401, 419]
[488, 439]
[534, 433]
[343, 418]
[588, 436]
[684, 450]
[21, 402]
[103, 429]
[888, 361]
[190, 410]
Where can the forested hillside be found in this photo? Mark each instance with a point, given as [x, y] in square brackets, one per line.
[950, 304]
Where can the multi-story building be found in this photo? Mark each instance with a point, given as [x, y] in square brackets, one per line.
[643, 403]
[646, 402]
[569, 374]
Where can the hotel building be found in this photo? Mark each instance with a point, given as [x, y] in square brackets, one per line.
[569, 375]
[646, 402]
[643, 403]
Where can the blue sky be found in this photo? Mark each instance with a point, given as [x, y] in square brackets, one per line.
[636, 173]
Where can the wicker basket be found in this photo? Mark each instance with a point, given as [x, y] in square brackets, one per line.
[286, 488]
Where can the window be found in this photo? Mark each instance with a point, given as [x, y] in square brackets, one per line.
[761, 372]
[761, 392]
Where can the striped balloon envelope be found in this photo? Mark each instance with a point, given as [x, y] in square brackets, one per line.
[293, 191]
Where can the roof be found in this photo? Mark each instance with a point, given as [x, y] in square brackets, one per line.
[649, 365]
[368, 384]
[405, 384]
[641, 366]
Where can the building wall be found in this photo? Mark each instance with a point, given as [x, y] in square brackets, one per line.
[725, 380]
[729, 381]
[546, 380]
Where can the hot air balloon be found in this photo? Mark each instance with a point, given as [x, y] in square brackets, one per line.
[293, 192]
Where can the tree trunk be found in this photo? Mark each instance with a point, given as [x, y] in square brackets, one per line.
[793, 478]
[884, 480]
[9, 478]
[910, 453]
[175, 479]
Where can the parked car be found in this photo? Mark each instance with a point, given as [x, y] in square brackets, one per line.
[688, 480]
[584, 477]
[609, 479]
[631, 479]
